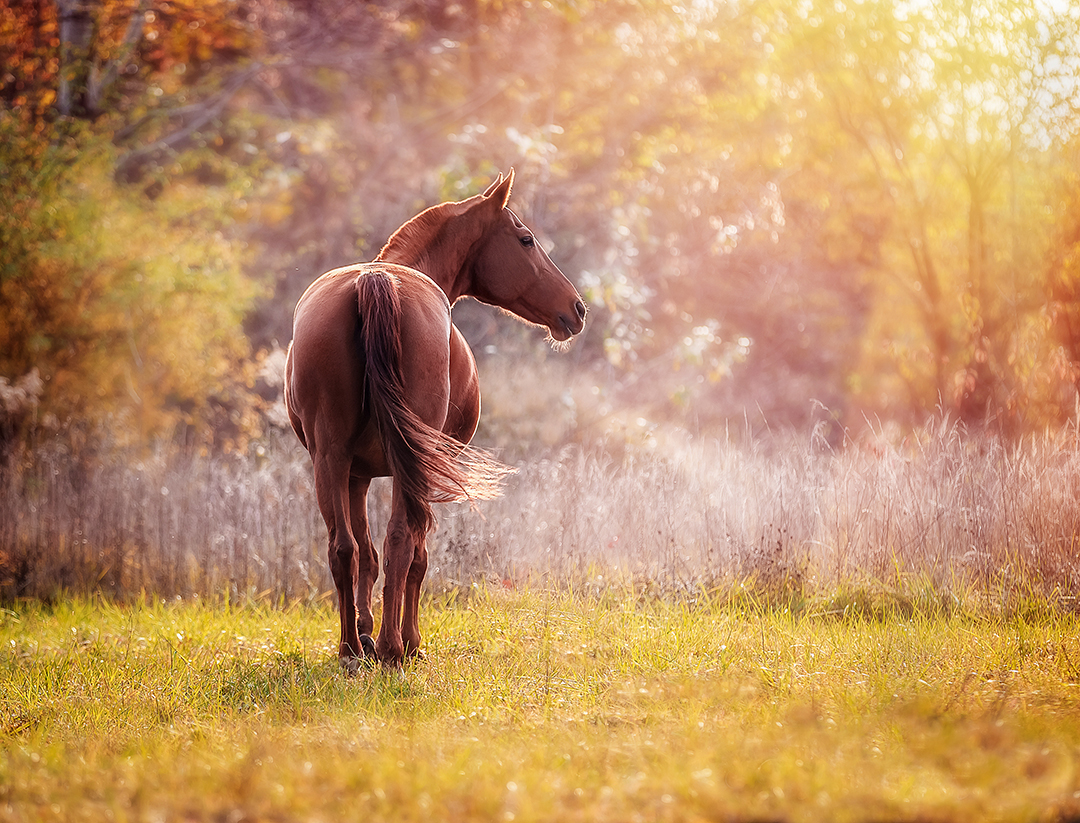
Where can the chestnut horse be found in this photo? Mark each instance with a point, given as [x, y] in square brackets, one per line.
[379, 382]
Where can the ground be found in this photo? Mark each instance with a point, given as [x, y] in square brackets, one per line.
[537, 704]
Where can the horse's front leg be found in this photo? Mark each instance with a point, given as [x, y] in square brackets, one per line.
[410, 620]
[398, 552]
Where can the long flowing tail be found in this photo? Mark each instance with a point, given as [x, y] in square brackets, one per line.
[429, 466]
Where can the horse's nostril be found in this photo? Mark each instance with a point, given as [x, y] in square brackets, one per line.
[579, 307]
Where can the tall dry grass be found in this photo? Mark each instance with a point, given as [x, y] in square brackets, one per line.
[946, 508]
[942, 507]
[165, 523]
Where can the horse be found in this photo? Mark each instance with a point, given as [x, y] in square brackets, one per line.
[380, 382]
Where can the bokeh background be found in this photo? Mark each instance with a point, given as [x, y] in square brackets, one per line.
[814, 219]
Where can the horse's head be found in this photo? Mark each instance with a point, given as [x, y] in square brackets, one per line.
[512, 271]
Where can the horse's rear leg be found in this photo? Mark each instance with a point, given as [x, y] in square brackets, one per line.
[410, 620]
[399, 551]
[332, 492]
[368, 562]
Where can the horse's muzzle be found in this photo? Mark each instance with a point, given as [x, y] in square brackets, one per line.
[574, 325]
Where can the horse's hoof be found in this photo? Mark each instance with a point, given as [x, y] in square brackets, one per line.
[367, 646]
[350, 665]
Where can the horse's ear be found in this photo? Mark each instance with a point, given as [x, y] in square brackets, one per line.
[499, 191]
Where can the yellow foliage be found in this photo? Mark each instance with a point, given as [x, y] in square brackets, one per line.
[131, 311]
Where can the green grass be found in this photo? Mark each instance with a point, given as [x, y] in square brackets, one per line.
[542, 705]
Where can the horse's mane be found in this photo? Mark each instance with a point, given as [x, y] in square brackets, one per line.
[416, 237]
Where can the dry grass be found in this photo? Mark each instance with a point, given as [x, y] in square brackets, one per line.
[164, 523]
[948, 509]
[939, 510]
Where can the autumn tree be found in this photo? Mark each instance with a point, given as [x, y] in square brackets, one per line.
[952, 108]
[128, 303]
[791, 212]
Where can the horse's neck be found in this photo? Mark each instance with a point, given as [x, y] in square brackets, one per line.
[442, 256]
[436, 267]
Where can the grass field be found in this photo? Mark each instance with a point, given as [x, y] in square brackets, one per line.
[536, 704]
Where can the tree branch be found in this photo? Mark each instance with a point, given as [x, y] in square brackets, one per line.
[128, 168]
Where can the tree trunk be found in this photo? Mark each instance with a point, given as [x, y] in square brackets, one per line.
[76, 36]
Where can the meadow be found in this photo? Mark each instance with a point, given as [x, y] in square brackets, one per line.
[649, 628]
[539, 704]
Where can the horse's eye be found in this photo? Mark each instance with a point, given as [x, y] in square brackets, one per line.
[527, 241]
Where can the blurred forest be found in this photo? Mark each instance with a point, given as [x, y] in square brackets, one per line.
[782, 214]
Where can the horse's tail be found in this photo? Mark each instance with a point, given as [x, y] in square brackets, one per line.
[428, 465]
